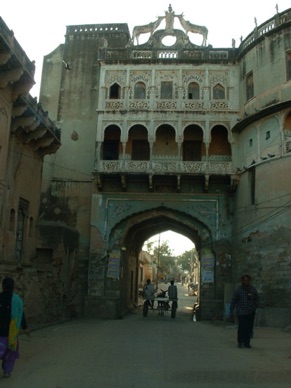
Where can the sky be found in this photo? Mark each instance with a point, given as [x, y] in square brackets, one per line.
[177, 243]
[40, 27]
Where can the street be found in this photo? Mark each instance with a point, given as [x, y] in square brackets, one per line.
[154, 351]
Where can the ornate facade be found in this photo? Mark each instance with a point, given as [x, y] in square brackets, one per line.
[179, 136]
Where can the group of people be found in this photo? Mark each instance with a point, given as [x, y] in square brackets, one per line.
[244, 301]
[12, 318]
[150, 291]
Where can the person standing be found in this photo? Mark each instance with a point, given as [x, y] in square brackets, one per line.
[173, 296]
[245, 299]
[149, 292]
[11, 319]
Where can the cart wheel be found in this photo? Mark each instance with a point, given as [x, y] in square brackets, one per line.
[145, 308]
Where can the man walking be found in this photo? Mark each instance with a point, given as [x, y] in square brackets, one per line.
[173, 296]
[245, 300]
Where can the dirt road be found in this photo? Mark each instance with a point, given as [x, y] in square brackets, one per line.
[155, 352]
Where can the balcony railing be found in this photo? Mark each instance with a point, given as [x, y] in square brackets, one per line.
[163, 167]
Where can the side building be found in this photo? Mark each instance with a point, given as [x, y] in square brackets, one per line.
[27, 134]
[184, 137]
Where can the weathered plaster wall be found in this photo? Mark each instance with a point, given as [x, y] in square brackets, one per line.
[261, 236]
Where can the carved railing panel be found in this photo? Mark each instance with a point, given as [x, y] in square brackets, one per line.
[193, 167]
[166, 105]
[163, 167]
[193, 105]
[114, 104]
[137, 166]
[139, 104]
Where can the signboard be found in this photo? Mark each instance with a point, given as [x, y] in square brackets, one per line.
[207, 276]
[113, 270]
[207, 270]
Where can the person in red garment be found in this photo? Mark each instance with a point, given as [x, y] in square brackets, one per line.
[11, 319]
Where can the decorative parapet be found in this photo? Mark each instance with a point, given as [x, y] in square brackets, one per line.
[163, 167]
[206, 54]
[269, 25]
[166, 105]
[141, 54]
[89, 29]
[168, 54]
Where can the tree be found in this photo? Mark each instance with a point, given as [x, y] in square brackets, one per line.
[186, 260]
[165, 260]
[149, 246]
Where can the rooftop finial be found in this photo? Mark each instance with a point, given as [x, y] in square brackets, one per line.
[170, 8]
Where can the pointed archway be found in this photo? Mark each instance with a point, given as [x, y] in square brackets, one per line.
[129, 235]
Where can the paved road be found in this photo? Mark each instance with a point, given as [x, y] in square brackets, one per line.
[154, 352]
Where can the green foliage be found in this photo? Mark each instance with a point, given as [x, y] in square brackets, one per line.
[164, 256]
[185, 259]
[150, 246]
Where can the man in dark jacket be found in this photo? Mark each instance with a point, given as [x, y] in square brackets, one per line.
[173, 296]
[245, 300]
[11, 319]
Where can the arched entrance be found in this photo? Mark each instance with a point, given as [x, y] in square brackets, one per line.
[119, 264]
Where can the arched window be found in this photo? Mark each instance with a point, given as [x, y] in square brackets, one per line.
[193, 91]
[139, 90]
[114, 91]
[218, 92]
[111, 143]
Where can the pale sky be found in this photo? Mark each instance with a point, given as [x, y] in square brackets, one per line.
[40, 26]
[177, 243]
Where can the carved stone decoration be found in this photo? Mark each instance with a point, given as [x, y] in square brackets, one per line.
[194, 28]
[115, 76]
[138, 105]
[147, 28]
[170, 17]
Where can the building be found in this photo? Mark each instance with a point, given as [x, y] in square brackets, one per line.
[184, 137]
[27, 134]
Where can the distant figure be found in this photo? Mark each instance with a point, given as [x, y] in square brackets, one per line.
[149, 292]
[173, 296]
[11, 319]
[245, 300]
